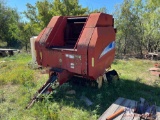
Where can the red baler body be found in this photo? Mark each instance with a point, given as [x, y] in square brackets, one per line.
[83, 46]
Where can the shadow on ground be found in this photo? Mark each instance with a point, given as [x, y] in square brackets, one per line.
[104, 97]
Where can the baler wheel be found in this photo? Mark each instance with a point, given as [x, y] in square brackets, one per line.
[100, 81]
[83, 82]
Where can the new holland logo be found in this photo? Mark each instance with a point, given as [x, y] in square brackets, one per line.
[107, 49]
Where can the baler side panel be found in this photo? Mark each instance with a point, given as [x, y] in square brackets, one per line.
[38, 48]
[82, 47]
[94, 20]
[99, 20]
[72, 61]
[62, 59]
[84, 39]
[54, 23]
[58, 39]
[52, 58]
[99, 58]
[54, 33]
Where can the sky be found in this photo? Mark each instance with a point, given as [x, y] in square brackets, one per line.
[92, 4]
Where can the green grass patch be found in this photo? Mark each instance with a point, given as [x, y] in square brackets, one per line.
[3, 44]
[18, 83]
[15, 69]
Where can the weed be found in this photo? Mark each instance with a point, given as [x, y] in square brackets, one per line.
[14, 71]
[2, 98]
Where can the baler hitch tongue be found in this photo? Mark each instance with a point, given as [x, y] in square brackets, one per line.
[46, 88]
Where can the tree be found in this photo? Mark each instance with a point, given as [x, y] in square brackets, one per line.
[152, 25]
[138, 26]
[2, 20]
[68, 8]
[26, 32]
[9, 19]
[123, 21]
[103, 9]
[44, 12]
[39, 15]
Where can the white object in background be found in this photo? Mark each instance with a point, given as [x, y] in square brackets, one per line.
[33, 51]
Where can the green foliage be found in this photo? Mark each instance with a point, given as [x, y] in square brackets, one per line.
[138, 25]
[9, 20]
[44, 12]
[26, 31]
[68, 8]
[103, 10]
[39, 15]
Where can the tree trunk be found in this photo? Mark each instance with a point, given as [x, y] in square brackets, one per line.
[26, 47]
[125, 45]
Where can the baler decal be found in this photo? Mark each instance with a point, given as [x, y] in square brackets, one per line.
[40, 55]
[70, 56]
[108, 48]
[72, 65]
[92, 62]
